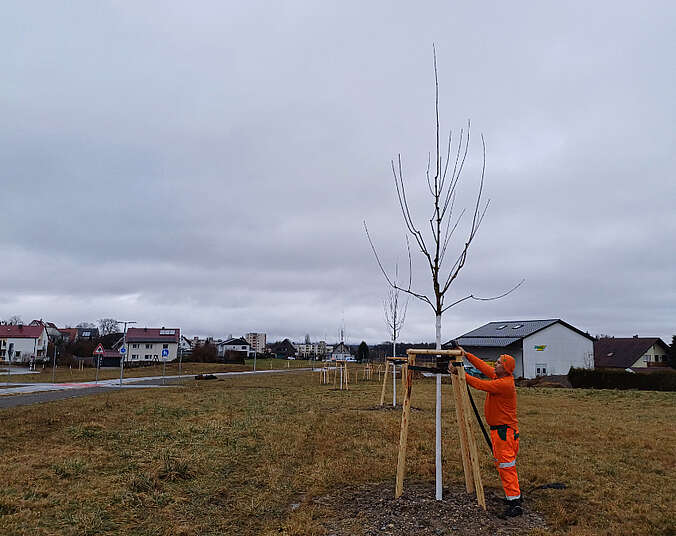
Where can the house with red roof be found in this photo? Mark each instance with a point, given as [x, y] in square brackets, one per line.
[148, 344]
[23, 344]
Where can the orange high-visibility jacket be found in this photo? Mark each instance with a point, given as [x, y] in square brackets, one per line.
[500, 407]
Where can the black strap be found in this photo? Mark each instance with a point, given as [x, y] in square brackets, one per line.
[481, 423]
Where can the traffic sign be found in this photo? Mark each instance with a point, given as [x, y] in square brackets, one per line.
[165, 352]
[99, 350]
[123, 350]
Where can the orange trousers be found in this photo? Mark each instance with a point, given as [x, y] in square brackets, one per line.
[505, 449]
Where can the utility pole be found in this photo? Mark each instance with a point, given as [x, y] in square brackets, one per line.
[54, 363]
[124, 345]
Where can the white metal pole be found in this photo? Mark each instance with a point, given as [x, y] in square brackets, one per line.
[437, 461]
[124, 345]
[394, 384]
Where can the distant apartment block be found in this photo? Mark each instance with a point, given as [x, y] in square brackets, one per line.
[257, 342]
[314, 349]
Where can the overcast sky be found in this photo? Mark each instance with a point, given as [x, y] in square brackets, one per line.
[208, 165]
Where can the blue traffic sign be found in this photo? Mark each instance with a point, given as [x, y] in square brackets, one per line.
[165, 352]
[123, 350]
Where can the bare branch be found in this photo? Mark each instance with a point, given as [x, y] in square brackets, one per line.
[421, 297]
[473, 297]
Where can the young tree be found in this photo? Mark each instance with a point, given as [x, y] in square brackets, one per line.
[395, 313]
[434, 243]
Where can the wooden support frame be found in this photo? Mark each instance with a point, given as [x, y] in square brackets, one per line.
[394, 361]
[468, 447]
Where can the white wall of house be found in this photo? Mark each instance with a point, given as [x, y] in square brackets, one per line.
[223, 348]
[563, 348]
[150, 351]
[655, 354]
[23, 348]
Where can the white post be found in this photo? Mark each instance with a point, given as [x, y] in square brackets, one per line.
[437, 462]
[394, 384]
[394, 374]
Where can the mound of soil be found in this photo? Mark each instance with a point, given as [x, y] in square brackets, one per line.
[205, 377]
[371, 509]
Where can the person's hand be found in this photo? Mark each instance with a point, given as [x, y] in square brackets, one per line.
[462, 350]
[452, 369]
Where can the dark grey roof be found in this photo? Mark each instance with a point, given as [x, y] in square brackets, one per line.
[513, 328]
[235, 341]
[506, 332]
[487, 341]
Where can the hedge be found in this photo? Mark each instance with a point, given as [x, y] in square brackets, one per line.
[620, 379]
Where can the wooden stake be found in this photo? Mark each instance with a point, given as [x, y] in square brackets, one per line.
[464, 447]
[471, 439]
[403, 433]
[382, 393]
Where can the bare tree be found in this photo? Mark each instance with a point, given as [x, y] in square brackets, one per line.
[395, 313]
[108, 326]
[86, 325]
[14, 320]
[442, 177]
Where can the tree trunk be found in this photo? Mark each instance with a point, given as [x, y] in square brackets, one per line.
[437, 464]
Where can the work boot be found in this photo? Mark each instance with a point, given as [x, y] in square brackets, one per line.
[513, 509]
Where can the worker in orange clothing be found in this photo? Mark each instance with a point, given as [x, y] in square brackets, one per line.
[500, 410]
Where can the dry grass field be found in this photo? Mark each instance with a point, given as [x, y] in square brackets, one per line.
[232, 457]
[88, 374]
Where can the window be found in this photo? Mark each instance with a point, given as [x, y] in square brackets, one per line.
[167, 332]
[165, 346]
[502, 327]
[517, 326]
[17, 354]
[135, 345]
[86, 333]
[149, 346]
[134, 356]
[541, 369]
[148, 356]
[244, 348]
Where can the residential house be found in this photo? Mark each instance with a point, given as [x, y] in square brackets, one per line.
[52, 331]
[68, 335]
[540, 347]
[87, 333]
[147, 344]
[283, 349]
[630, 352]
[341, 353]
[234, 344]
[23, 344]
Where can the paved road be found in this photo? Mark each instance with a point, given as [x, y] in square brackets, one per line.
[35, 393]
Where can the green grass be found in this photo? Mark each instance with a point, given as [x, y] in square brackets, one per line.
[231, 456]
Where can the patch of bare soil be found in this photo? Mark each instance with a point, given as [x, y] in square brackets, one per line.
[371, 510]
